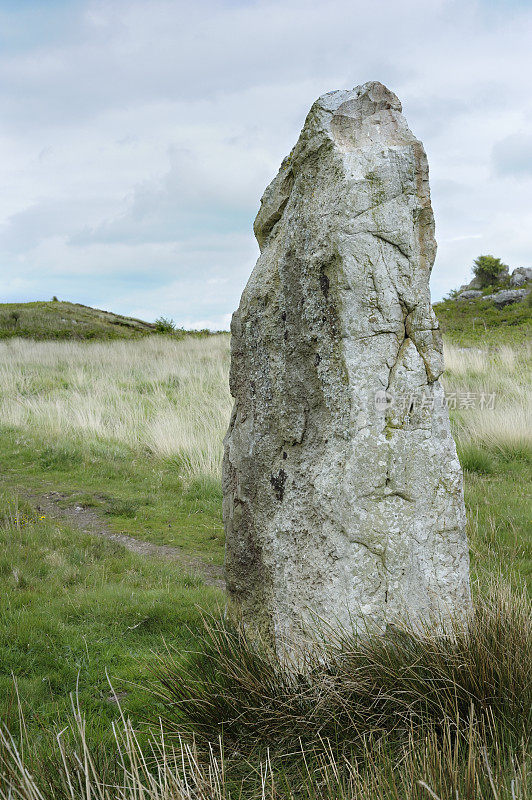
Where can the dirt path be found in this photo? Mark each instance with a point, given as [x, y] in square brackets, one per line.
[87, 521]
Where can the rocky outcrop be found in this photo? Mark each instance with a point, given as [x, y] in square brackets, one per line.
[342, 488]
[470, 294]
[476, 283]
[507, 296]
[520, 276]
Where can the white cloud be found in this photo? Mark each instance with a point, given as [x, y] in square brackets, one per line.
[137, 137]
[513, 156]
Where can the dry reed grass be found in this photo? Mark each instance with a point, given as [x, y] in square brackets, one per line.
[168, 397]
[171, 398]
[431, 767]
[505, 373]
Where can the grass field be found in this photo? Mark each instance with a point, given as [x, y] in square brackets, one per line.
[157, 396]
[478, 323]
[131, 432]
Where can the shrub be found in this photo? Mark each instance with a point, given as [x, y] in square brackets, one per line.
[488, 269]
[165, 325]
[452, 295]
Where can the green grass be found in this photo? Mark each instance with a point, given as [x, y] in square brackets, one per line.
[63, 320]
[475, 458]
[74, 606]
[135, 493]
[478, 323]
[498, 502]
[80, 592]
[76, 603]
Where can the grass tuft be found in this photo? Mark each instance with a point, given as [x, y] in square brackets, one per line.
[405, 716]
[474, 458]
[353, 686]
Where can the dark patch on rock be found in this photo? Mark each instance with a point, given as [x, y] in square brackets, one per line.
[278, 482]
[324, 284]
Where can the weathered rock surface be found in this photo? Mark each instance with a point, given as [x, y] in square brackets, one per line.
[520, 276]
[336, 504]
[475, 283]
[507, 296]
[469, 294]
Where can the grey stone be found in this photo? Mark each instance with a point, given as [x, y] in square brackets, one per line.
[504, 274]
[470, 294]
[476, 283]
[520, 276]
[507, 296]
[342, 488]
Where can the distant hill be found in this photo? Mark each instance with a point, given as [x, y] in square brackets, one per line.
[478, 323]
[468, 323]
[61, 320]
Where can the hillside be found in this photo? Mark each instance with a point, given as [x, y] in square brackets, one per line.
[478, 322]
[467, 323]
[62, 320]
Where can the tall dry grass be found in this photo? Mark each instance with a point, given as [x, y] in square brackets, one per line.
[503, 423]
[407, 716]
[171, 398]
[431, 767]
[168, 397]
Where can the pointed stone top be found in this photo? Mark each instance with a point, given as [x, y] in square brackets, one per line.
[360, 119]
[370, 97]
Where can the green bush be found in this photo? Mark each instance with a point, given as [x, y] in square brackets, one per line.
[488, 269]
[165, 325]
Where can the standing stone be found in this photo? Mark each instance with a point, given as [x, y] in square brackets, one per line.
[339, 502]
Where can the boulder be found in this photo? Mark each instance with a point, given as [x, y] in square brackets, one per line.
[342, 488]
[475, 283]
[470, 294]
[520, 276]
[507, 296]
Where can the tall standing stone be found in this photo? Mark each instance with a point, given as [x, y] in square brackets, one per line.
[342, 488]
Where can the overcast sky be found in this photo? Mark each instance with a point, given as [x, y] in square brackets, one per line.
[137, 137]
